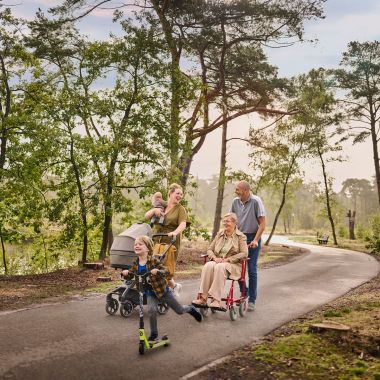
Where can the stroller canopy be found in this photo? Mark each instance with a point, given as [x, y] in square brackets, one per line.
[125, 241]
[122, 254]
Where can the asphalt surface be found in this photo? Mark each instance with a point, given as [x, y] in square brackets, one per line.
[78, 340]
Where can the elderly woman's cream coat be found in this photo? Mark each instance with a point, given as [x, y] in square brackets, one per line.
[237, 252]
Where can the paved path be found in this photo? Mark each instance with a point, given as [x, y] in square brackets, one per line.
[78, 340]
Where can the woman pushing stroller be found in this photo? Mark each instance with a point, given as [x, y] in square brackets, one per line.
[169, 218]
[158, 290]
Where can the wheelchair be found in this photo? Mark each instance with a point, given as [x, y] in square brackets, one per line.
[233, 304]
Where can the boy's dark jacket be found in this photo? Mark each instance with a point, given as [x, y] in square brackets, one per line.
[159, 282]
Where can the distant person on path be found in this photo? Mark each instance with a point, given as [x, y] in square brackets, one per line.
[250, 213]
[225, 254]
[175, 221]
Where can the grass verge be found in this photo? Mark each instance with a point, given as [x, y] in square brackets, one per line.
[294, 352]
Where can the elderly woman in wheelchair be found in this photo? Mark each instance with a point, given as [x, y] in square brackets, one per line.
[226, 254]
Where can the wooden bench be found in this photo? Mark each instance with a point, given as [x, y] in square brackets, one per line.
[323, 239]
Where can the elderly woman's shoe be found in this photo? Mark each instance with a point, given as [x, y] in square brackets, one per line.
[215, 304]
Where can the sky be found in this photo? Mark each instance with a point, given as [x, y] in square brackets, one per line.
[345, 21]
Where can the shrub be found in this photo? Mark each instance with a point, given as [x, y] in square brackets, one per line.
[342, 232]
[361, 232]
[374, 237]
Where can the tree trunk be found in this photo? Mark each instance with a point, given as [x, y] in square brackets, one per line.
[327, 194]
[375, 157]
[83, 210]
[222, 181]
[3, 150]
[4, 113]
[278, 211]
[110, 238]
[108, 212]
[223, 158]
[105, 233]
[175, 49]
[188, 160]
[284, 187]
[351, 224]
[3, 249]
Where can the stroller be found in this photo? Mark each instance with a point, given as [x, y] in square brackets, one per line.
[122, 256]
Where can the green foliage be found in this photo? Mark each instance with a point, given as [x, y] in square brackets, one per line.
[361, 232]
[342, 231]
[373, 238]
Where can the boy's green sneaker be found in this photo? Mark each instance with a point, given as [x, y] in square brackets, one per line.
[251, 306]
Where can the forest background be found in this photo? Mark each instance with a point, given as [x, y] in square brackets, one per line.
[90, 128]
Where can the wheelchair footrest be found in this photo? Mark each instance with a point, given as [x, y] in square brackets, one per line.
[220, 308]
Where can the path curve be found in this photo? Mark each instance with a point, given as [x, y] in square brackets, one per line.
[78, 340]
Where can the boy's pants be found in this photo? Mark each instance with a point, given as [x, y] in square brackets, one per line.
[171, 301]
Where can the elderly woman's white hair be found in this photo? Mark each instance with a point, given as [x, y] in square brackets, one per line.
[231, 215]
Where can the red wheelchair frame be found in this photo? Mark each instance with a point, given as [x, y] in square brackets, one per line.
[232, 304]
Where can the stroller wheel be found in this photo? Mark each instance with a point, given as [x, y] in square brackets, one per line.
[162, 308]
[126, 309]
[111, 306]
[204, 311]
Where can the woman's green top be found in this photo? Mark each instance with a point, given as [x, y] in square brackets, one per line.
[172, 220]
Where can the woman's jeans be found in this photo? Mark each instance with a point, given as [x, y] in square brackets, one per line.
[171, 301]
[253, 255]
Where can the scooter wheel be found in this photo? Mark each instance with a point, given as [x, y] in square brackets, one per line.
[126, 309]
[111, 306]
[141, 348]
[204, 311]
[162, 308]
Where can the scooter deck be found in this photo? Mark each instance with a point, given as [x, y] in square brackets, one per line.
[160, 343]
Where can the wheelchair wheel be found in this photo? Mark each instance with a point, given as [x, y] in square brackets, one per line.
[233, 313]
[204, 311]
[243, 308]
[162, 308]
[126, 309]
[111, 306]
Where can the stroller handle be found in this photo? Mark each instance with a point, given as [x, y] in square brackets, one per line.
[173, 239]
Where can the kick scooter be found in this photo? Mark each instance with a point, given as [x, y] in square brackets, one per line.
[144, 344]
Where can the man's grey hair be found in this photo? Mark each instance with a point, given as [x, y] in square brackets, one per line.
[245, 184]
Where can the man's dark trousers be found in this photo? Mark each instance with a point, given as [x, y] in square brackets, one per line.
[253, 255]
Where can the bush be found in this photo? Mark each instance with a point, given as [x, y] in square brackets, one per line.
[342, 232]
[374, 237]
[361, 232]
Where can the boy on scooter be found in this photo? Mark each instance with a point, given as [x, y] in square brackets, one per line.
[158, 289]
